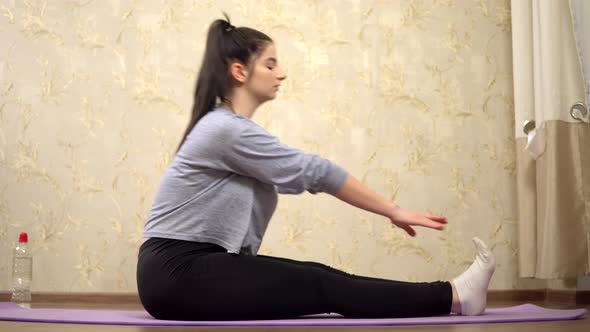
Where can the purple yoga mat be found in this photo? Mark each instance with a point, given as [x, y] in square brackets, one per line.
[522, 313]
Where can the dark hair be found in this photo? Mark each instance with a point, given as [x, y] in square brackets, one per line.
[225, 44]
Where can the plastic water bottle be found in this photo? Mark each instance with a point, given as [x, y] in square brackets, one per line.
[22, 272]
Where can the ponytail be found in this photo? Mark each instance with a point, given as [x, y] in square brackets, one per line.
[225, 44]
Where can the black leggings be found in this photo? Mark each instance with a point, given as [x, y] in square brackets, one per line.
[182, 280]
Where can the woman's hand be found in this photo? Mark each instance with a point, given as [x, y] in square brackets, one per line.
[355, 193]
[405, 219]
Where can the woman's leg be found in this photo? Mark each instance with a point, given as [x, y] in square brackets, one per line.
[456, 304]
[222, 286]
[455, 308]
[250, 287]
[322, 266]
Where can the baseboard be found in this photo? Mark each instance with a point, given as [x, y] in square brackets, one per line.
[564, 296]
[535, 295]
[62, 297]
[517, 295]
[540, 295]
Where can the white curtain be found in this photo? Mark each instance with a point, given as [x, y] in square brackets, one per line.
[553, 159]
[580, 11]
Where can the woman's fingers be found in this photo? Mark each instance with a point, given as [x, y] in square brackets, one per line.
[427, 222]
[406, 218]
[409, 230]
[440, 219]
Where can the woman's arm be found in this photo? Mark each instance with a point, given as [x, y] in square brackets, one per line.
[355, 193]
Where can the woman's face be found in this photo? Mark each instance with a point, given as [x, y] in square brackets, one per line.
[265, 75]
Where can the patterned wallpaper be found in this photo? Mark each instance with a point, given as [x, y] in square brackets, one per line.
[412, 97]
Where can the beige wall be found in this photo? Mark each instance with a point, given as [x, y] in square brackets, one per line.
[412, 97]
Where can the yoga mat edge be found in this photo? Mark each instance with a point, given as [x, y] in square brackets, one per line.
[521, 313]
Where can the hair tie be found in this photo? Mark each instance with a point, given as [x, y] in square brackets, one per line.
[229, 28]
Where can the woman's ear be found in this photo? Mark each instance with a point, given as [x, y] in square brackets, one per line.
[238, 72]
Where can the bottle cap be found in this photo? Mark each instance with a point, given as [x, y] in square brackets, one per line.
[23, 238]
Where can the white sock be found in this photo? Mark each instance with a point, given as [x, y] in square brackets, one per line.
[472, 285]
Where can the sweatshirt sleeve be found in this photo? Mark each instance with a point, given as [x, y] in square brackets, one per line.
[252, 151]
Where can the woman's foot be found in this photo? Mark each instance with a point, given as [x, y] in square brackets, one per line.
[472, 285]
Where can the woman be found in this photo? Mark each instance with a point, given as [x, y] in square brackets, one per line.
[198, 260]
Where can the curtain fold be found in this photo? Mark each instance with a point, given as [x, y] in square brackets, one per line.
[553, 178]
[580, 12]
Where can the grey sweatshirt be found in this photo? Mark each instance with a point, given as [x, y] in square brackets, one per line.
[222, 185]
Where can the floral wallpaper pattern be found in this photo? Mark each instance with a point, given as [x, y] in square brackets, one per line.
[414, 98]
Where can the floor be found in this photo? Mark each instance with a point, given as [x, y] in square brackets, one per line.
[574, 326]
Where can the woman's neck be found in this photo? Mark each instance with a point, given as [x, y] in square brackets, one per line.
[243, 103]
